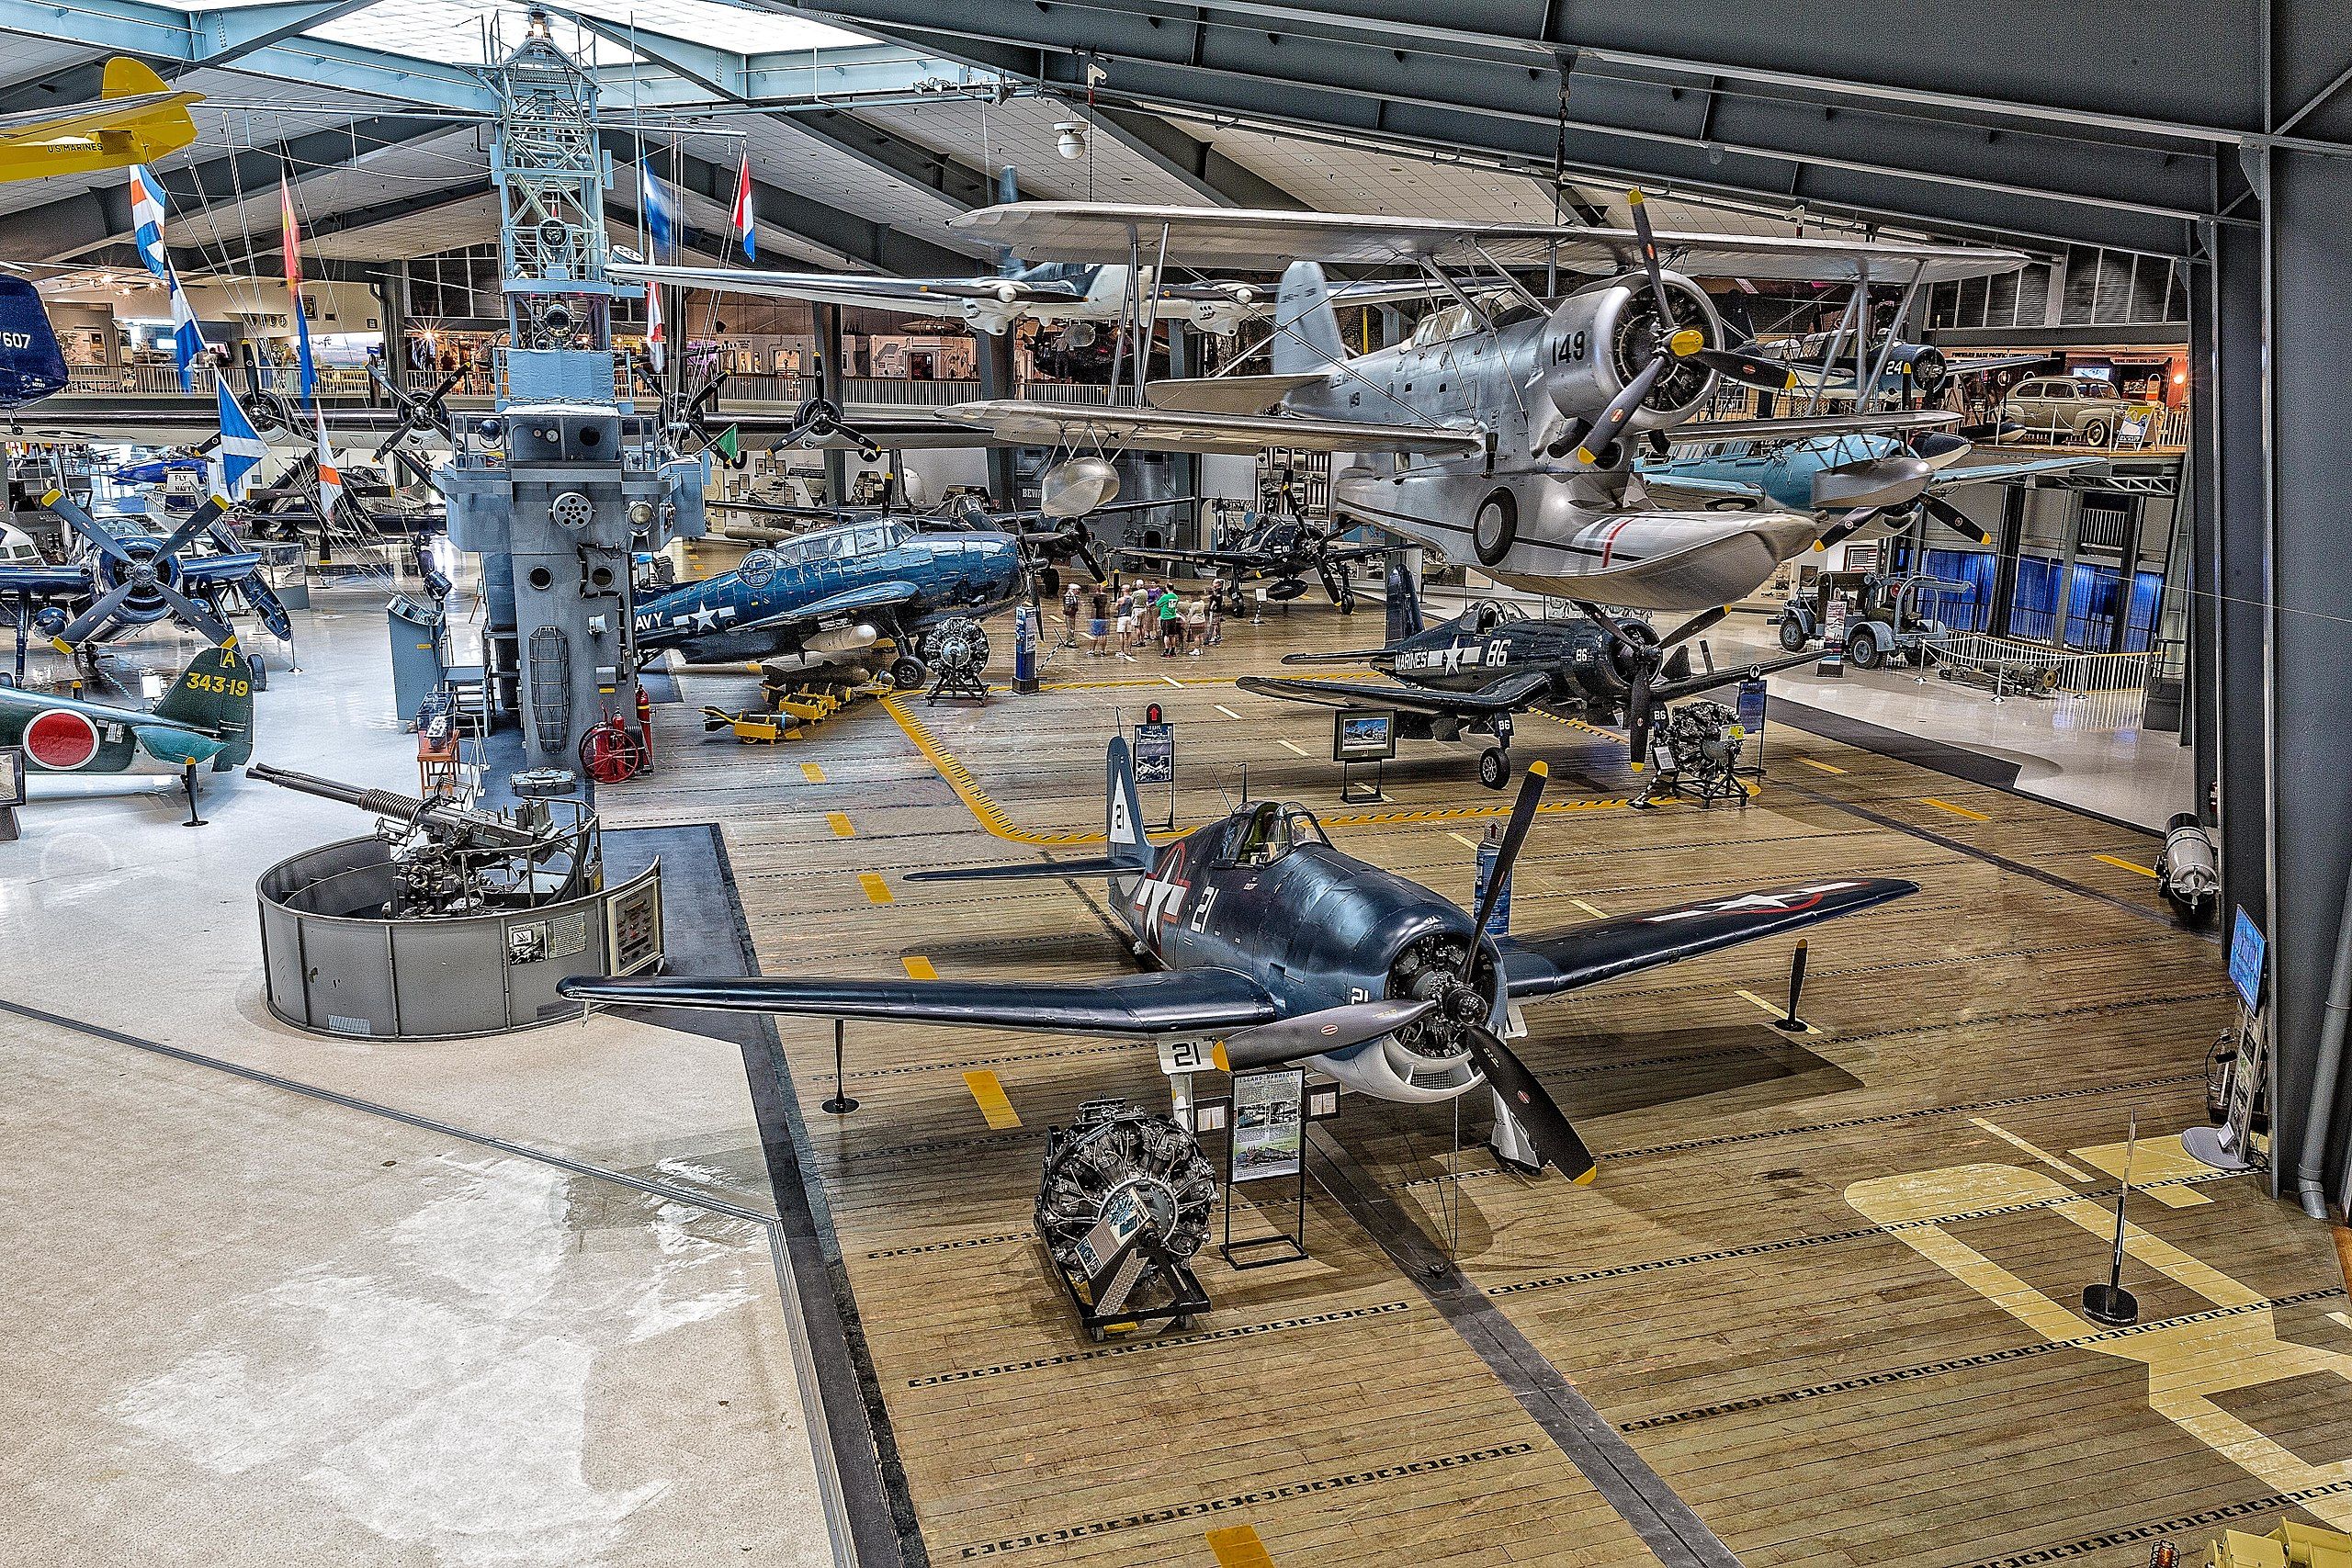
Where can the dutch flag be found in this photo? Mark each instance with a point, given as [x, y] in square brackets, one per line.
[147, 220]
[242, 447]
[746, 229]
[187, 338]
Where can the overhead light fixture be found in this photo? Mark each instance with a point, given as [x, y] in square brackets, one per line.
[1069, 139]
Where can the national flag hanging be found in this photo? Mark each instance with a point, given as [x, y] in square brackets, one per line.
[187, 338]
[657, 336]
[659, 215]
[147, 220]
[289, 245]
[242, 447]
[330, 478]
[745, 230]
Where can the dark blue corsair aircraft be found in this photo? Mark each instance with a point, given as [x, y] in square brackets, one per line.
[1273, 947]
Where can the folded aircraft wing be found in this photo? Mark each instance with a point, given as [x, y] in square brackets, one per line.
[1895, 420]
[1604, 950]
[1508, 694]
[1192, 1002]
[1027, 424]
[873, 596]
[2011, 469]
[1227, 394]
[853, 288]
[1237, 237]
[43, 581]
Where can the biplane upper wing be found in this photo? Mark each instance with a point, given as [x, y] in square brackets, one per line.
[1240, 237]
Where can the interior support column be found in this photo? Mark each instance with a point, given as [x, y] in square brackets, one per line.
[828, 384]
[2006, 545]
[2235, 482]
[2308, 267]
[996, 365]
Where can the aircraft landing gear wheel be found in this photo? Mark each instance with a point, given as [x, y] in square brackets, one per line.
[907, 672]
[1494, 767]
[1496, 528]
[1793, 636]
[1347, 603]
[1861, 647]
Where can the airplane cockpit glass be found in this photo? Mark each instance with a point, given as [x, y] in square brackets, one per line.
[1305, 829]
[1266, 836]
[968, 511]
[1489, 617]
[871, 541]
[828, 547]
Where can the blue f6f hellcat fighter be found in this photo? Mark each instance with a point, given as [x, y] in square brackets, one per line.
[849, 601]
[1273, 947]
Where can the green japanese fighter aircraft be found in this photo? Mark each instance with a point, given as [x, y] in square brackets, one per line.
[207, 716]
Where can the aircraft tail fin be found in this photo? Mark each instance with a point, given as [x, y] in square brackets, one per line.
[1122, 809]
[215, 693]
[1307, 329]
[1404, 600]
[127, 78]
[32, 365]
[1007, 191]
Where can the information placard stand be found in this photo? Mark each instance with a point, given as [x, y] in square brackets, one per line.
[2233, 1146]
[1354, 790]
[1268, 1143]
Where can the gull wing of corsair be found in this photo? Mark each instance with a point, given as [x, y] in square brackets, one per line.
[1502, 431]
[1273, 946]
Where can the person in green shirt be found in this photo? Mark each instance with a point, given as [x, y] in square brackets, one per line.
[1170, 624]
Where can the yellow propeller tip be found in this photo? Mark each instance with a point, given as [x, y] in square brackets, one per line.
[1216, 1055]
[1541, 770]
[52, 497]
[1586, 1180]
[1634, 198]
[1586, 456]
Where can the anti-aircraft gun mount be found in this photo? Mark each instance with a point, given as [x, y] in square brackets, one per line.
[448, 920]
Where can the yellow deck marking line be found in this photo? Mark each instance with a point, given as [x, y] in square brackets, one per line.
[2154, 1162]
[1775, 1009]
[1226, 711]
[1288, 747]
[2147, 871]
[877, 890]
[839, 822]
[918, 967]
[989, 1095]
[1590, 909]
[1825, 767]
[1955, 810]
[812, 772]
[992, 818]
[1238, 1546]
[2070, 1172]
[2190, 1367]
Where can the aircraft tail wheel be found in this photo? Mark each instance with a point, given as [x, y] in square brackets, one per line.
[906, 673]
[1793, 636]
[1861, 647]
[1494, 767]
[1347, 603]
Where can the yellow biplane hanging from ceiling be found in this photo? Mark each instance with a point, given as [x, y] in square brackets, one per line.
[136, 120]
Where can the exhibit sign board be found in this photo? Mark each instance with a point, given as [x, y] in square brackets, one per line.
[1155, 753]
[1269, 1124]
[2247, 946]
[1363, 735]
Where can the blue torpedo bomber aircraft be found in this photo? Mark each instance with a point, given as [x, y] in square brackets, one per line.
[1271, 946]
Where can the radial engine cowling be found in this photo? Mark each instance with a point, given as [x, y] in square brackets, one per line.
[1427, 1060]
[1600, 338]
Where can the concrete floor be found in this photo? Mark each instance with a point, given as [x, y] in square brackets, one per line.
[319, 1332]
[2087, 753]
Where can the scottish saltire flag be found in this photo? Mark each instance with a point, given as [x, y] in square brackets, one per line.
[289, 245]
[657, 335]
[187, 338]
[147, 220]
[242, 447]
[745, 230]
[660, 214]
[330, 478]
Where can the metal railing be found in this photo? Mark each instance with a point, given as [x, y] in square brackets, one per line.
[2008, 667]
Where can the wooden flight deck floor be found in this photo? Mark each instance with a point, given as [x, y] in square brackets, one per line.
[1824, 1286]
